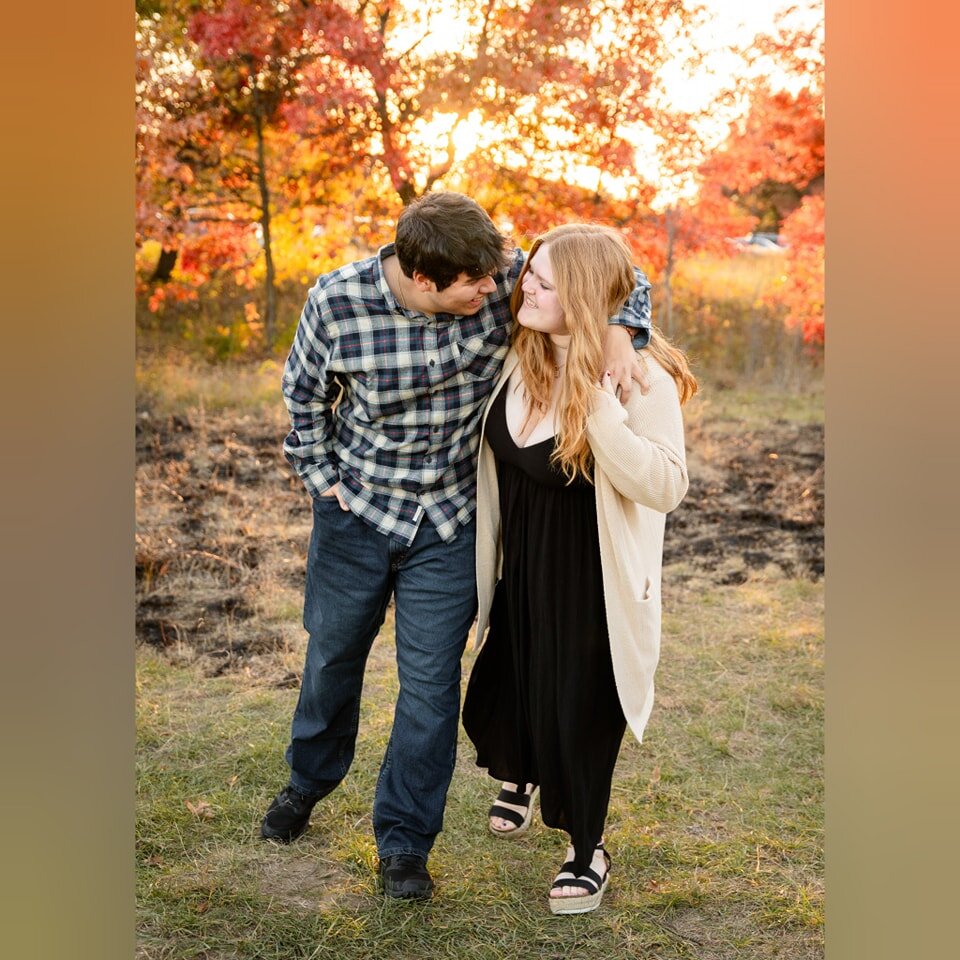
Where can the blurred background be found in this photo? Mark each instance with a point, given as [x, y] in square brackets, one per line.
[278, 140]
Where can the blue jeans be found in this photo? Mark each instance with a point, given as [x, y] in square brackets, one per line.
[352, 571]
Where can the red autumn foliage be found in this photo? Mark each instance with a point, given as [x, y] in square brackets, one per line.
[245, 30]
[802, 289]
[221, 246]
[773, 163]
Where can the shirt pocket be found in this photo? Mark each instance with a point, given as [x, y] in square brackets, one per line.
[480, 357]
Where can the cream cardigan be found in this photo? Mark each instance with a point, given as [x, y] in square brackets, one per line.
[640, 475]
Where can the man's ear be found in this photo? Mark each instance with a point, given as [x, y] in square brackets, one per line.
[423, 283]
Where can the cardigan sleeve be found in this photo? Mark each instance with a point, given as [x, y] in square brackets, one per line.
[640, 448]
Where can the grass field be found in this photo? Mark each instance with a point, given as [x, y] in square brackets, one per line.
[715, 823]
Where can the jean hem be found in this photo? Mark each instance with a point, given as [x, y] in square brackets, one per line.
[309, 794]
[403, 851]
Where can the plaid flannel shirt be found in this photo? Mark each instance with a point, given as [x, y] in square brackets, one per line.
[387, 401]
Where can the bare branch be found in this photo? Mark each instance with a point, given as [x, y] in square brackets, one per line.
[441, 169]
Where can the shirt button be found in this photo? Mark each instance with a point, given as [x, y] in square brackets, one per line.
[428, 459]
[433, 363]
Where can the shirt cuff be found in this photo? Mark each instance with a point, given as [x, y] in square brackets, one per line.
[320, 477]
[641, 337]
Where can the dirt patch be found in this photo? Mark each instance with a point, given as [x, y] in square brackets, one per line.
[307, 885]
[222, 530]
[288, 878]
[755, 504]
[223, 525]
[698, 930]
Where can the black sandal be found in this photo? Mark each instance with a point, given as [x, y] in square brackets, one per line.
[590, 881]
[520, 821]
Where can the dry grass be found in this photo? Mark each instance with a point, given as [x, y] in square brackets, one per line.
[726, 319]
[182, 385]
[746, 277]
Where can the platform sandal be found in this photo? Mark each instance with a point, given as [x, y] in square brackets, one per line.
[590, 881]
[520, 821]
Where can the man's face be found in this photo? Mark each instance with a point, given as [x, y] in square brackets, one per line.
[464, 297]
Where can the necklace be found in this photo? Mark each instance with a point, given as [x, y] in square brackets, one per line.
[400, 296]
[558, 367]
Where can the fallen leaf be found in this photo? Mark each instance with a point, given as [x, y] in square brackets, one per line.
[200, 809]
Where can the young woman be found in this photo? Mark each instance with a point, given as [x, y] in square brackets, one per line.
[572, 492]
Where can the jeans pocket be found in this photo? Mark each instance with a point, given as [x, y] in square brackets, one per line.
[327, 508]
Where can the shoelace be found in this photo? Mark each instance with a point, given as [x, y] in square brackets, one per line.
[407, 860]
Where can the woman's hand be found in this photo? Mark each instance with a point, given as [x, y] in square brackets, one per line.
[607, 394]
[607, 384]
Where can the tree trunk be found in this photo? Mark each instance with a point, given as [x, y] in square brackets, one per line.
[270, 317]
[163, 269]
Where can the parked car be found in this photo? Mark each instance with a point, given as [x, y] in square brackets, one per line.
[758, 242]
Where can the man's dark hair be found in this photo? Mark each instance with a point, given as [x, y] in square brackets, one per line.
[444, 234]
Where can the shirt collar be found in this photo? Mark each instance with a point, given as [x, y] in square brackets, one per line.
[387, 250]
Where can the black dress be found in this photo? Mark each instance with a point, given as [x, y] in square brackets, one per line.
[541, 704]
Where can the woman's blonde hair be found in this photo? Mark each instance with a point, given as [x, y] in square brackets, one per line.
[593, 275]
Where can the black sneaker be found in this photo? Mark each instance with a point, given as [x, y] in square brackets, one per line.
[287, 817]
[405, 877]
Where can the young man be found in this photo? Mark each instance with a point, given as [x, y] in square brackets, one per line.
[392, 362]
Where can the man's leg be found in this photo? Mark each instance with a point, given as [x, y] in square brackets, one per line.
[347, 590]
[435, 600]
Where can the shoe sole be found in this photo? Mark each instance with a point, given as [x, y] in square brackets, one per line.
[527, 820]
[399, 892]
[267, 833]
[409, 895]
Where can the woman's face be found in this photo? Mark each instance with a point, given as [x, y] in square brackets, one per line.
[540, 309]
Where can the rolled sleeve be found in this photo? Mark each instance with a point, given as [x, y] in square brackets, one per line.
[637, 311]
